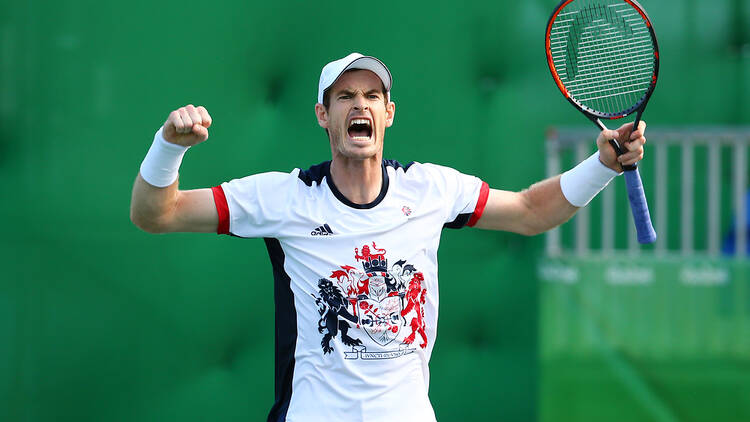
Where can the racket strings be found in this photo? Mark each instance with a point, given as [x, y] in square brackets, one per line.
[600, 60]
[603, 53]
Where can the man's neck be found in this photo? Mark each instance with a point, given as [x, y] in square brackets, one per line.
[360, 181]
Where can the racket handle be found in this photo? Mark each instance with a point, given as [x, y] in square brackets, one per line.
[639, 206]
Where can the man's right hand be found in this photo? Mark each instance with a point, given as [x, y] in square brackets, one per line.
[164, 209]
[187, 126]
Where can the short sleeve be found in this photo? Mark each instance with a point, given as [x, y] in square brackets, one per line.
[464, 196]
[253, 206]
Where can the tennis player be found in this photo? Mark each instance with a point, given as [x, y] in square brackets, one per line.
[353, 243]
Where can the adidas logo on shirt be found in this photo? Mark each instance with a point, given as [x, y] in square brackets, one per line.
[324, 230]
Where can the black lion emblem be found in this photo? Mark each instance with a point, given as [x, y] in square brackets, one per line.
[331, 306]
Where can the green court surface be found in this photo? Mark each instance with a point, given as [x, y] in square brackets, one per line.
[666, 340]
[590, 389]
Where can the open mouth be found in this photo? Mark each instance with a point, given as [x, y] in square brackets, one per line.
[360, 129]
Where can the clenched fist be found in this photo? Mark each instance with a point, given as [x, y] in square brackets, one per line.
[187, 126]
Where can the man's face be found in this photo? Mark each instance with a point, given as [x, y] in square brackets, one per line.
[357, 115]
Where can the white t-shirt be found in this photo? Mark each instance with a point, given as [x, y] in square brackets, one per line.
[356, 286]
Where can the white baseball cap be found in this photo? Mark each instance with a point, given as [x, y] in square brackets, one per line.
[333, 70]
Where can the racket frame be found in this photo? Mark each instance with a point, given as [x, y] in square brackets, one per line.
[636, 194]
[592, 114]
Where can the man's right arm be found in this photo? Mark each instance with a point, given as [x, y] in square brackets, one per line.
[545, 205]
[157, 205]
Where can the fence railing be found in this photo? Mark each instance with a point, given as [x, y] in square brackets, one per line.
[676, 159]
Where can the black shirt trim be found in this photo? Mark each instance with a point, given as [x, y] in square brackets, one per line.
[316, 173]
[286, 332]
[460, 221]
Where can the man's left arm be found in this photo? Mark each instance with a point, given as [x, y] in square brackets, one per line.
[544, 206]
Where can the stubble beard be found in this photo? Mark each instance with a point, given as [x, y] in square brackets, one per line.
[343, 148]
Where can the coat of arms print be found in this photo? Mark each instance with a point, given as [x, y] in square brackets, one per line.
[377, 299]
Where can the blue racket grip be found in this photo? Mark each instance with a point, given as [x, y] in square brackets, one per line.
[639, 206]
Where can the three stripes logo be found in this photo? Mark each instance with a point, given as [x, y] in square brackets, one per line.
[324, 230]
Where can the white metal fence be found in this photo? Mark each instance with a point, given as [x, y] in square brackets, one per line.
[671, 168]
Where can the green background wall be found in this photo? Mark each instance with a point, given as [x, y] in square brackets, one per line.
[99, 321]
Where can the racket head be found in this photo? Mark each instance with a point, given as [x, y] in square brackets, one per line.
[603, 56]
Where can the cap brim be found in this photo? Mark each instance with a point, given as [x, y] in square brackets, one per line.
[365, 63]
[374, 65]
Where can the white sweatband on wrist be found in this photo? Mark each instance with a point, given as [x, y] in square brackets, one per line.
[581, 183]
[162, 161]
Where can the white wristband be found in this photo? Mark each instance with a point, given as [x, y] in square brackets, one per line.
[162, 161]
[581, 183]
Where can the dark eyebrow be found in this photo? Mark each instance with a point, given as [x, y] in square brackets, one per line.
[347, 91]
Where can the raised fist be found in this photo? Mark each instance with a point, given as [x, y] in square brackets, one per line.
[187, 126]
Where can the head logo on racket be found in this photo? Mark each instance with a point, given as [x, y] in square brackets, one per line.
[604, 59]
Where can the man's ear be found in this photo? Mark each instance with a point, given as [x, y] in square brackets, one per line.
[390, 113]
[322, 114]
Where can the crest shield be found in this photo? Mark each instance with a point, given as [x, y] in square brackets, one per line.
[381, 319]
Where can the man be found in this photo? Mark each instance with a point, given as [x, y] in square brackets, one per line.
[353, 243]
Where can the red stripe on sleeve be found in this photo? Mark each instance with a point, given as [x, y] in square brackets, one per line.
[222, 208]
[484, 193]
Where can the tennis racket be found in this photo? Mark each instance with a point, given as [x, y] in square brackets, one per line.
[604, 58]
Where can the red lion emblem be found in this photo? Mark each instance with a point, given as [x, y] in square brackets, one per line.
[415, 298]
[367, 256]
